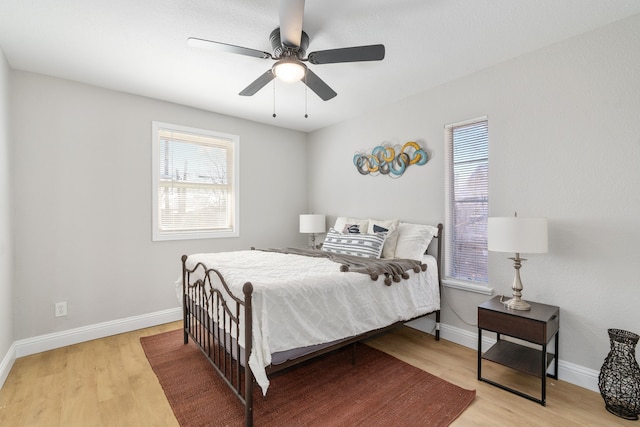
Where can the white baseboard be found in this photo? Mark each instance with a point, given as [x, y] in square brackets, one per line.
[54, 340]
[46, 342]
[578, 375]
[7, 364]
[567, 371]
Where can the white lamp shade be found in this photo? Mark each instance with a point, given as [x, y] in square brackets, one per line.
[516, 234]
[312, 223]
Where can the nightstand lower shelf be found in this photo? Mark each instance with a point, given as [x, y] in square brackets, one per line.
[518, 357]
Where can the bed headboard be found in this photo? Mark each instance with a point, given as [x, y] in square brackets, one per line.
[435, 249]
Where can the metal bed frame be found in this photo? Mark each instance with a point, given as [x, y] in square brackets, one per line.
[225, 353]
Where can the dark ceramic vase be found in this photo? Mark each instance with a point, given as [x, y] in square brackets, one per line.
[619, 379]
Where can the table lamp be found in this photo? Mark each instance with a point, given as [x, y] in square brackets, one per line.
[518, 235]
[312, 224]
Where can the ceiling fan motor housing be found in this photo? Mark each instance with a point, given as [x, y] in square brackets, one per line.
[281, 51]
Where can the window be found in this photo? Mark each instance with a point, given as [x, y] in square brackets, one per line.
[467, 201]
[195, 183]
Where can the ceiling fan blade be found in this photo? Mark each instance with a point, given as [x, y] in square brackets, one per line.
[223, 47]
[317, 85]
[258, 83]
[374, 52]
[291, 17]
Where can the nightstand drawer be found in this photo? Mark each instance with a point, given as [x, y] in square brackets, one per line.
[512, 326]
[537, 326]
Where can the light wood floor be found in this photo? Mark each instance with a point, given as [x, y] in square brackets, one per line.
[108, 382]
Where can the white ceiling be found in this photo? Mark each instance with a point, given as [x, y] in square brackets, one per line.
[140, 47]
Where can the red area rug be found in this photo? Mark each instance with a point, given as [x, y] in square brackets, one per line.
[379, 390]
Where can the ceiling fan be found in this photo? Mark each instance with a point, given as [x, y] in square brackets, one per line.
[289, 44]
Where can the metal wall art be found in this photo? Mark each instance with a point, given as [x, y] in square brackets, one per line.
[391, 160]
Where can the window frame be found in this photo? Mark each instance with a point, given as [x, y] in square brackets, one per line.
[234, 215]
[479, 286]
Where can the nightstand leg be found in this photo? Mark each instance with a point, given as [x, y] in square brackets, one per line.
[479, 353]
[555, 357]
[543, 377]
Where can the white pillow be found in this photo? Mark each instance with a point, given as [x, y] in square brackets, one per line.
[413, 240]
[391, 227]
[341, 221]
[363, 245]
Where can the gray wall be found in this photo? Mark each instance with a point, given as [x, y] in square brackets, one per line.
[564, 130]
[6, 245]
[82, 180]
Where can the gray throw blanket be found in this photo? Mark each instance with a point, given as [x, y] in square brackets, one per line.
[394, 270]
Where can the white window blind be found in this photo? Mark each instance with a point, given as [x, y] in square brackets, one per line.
[195, 176]
[467, 200]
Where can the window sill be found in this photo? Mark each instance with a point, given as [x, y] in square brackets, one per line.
[467, 286]
[194, 235]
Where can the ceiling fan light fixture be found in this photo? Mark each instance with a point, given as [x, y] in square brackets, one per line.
[289, 71]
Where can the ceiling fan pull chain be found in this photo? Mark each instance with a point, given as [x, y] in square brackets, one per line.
[274, 98]
[305, 96]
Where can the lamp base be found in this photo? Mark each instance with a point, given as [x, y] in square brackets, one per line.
[517, 304]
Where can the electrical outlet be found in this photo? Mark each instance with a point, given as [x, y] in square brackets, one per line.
[61, 309]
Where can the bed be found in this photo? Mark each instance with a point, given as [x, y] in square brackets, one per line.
[255, 312]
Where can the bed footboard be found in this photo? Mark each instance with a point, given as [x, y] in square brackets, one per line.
[212, 319]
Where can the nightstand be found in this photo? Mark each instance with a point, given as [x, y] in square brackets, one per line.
[536, 326]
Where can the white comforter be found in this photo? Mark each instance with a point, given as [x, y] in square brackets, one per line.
[300, 301]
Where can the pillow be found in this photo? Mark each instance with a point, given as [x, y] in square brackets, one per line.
[363, 245]
[342, 221]
[413, 240]
[391, 226]
[351, 229]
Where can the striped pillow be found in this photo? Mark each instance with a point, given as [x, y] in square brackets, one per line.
[363, 245]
